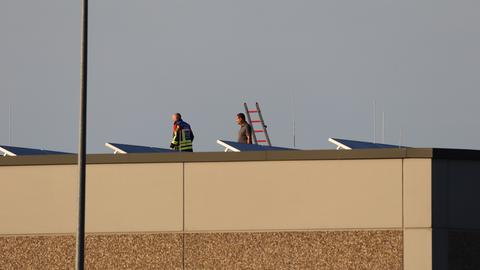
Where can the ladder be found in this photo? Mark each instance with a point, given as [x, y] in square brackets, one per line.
[258, 121]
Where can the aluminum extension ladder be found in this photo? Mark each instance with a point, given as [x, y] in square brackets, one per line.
[258, 121]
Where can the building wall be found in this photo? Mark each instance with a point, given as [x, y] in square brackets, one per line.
[455, 214]
[318, 214]
[120, 198]
[417, 217]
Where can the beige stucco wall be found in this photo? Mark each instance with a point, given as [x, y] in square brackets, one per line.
[120, 198]
[294, 195]
[37, 199]
[417, 193]
[134, 198]
[417, 207]
[417, 249]
[219, 196]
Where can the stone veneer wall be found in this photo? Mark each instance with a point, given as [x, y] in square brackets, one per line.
[108, 251]
[260, 250]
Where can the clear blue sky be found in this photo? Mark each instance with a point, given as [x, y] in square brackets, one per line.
[419, 59]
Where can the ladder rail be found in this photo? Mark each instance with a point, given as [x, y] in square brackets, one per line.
[263, 124]
[249, 119]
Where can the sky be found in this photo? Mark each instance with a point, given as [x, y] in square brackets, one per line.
[320, 64]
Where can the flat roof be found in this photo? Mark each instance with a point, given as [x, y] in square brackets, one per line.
[434, 153]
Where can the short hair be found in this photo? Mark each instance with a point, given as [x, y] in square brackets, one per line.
[241, 116]
[179, 116]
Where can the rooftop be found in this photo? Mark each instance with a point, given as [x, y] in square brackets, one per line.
[390, 153]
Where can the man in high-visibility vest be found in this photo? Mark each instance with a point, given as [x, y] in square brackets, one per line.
[182, 140]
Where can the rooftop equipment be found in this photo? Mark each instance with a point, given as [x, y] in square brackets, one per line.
[120, 148]
[13, 151]
[343, 144]
[241, 147]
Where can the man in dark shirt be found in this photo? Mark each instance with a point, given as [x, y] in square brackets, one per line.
[245, 132]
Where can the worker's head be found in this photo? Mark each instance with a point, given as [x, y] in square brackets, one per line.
[176, 116]
[240, 118]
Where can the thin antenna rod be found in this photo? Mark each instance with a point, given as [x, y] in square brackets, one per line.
[374, 121]
[293, 117]
[294, 137]
[400, 140]
[10, 124]
[383, 126]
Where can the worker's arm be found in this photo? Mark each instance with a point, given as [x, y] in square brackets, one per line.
[175, 140]
[249, 134]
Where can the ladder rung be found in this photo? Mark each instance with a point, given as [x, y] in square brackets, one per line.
[256, 121]
[259, 130]
[253, 111]
[261, 141]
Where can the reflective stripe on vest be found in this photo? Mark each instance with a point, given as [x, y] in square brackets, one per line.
[185, 140]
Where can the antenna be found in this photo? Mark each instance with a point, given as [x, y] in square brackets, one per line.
[383, 126]
[10, 123]
[401, 138]
[293, 119]
[374, 121]
[294, 137]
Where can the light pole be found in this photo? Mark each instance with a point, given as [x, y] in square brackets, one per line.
[80, 255]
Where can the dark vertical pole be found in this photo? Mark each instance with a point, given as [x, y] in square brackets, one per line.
[80, 258]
